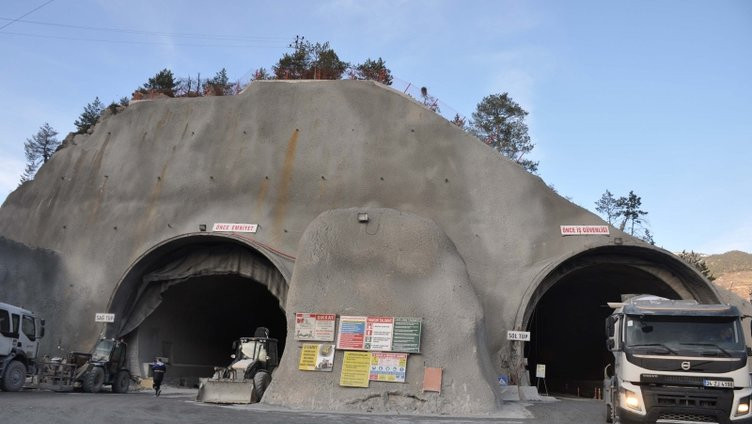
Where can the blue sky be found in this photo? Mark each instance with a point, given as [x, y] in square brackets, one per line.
[650, 96]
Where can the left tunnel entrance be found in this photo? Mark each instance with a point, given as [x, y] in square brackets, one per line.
[189, 302]
[198, 320]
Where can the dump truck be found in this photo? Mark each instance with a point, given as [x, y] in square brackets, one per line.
[105, 365]
[20, 334]
[676, 361]
[245, 380]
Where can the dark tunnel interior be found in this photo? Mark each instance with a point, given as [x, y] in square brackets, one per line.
[198, 320]
[568, 325]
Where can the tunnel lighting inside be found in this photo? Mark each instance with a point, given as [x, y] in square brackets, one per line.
[568, 325]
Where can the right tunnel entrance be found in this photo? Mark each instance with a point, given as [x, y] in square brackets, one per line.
[567, 323]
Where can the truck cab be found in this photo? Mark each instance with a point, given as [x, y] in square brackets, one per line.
[20, 333]
[676, 361]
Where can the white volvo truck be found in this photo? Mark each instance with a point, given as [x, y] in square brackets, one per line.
[20, 332]
[676, 361]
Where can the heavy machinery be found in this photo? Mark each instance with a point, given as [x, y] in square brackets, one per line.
[676, 361]
[20, 332]
[105, 365]
[249, 374]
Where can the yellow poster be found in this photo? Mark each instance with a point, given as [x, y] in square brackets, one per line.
[356, 368]
[316, 357]
[308, 357]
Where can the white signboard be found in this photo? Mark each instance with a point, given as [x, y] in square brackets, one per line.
[379, 332]
[314, 326]
[584, 230]
[518, 335]
[235, 228]
[540, 371]
[102, 317]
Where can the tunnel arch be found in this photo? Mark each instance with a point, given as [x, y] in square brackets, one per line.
[190, 297]
[566, 308]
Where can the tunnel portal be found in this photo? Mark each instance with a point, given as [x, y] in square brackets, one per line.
[568, 325]
[189, 300]
[198, 320]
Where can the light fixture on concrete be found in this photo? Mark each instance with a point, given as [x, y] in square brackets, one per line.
[202, 227]
[362, 217]
[618, 241]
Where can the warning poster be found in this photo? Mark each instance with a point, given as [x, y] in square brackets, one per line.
[379, 333]
[407, 334]
[390, 367]
[356, 367]
[352, 333]
[316, 357]
[319, 327]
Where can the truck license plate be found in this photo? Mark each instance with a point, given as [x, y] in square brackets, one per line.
[718, 383]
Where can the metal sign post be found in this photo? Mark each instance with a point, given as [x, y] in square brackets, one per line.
[540, 374]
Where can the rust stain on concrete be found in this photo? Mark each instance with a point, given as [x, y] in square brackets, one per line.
[261, 196]
[283, 189]
[94, 171]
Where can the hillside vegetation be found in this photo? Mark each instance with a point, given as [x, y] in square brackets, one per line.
[733, 271]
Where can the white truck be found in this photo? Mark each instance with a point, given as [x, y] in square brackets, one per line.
[676, 361]
[20, 333]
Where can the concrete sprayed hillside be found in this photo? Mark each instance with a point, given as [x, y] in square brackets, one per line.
[733, 271]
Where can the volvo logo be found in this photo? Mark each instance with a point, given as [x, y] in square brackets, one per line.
[686, 365]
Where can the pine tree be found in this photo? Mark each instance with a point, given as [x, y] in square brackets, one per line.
[697, 262]
[89, 117]
[38, 150]
[500, 122]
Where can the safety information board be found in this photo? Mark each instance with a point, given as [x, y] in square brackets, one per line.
[390, 367]
[319, 327]
[316, 357]
[356, 369]
[352, 333]
[379, 333]
[406, 336]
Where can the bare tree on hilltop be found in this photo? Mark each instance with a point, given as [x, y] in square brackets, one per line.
[624, 211]
[38, 150]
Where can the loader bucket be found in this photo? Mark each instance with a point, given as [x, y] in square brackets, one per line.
[226, 391]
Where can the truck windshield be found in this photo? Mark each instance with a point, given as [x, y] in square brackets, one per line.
[673, 334]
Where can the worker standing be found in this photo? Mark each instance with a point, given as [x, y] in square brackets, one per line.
[158, 369]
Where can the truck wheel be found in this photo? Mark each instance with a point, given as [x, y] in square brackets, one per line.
[15, 376]
[122, 381]
[93, 380]
[260, 382]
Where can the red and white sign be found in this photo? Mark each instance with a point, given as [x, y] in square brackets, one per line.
[379, 332]
[352, 333]
[584, 230]
[235, 228]
[314, 326]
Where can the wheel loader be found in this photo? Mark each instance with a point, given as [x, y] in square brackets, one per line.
[249, 374]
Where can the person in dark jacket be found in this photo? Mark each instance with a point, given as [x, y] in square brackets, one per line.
[158, 369]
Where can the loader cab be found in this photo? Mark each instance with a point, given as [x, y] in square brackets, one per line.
[110, 353]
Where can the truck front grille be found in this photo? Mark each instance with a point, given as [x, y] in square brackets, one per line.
[687, 401]
[691, 418]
